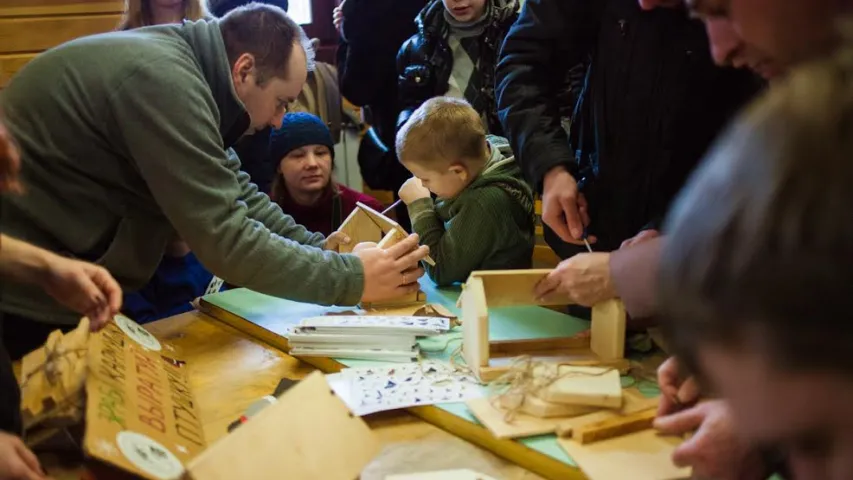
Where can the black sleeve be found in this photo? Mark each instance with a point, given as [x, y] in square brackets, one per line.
[549, 38]
[412, 82]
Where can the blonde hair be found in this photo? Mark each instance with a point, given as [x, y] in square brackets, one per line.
[137, 13]
[443, 130]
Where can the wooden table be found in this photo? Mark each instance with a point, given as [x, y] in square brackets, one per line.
[228, 371]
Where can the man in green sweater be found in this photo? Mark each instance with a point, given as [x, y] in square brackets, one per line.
[124, 141]
[484, 216]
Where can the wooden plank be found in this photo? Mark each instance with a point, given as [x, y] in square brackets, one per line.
[359, 227]
[515, 287]
[11, 63]
[615, 427]
[308, 426]
[525, 347]
[23, 8]
[608, 329]
[27, 35]
[590, 386]
[475, 325]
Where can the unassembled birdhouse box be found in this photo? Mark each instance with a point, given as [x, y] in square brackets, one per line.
[503, 288]
[365, 224]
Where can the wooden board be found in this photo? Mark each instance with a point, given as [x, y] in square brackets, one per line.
[590, 386]
[442, 475]
[639, 456]
[608, 329]
[475, 324]
[516, 287]
[525, 425]
[308, 433]
[359, 228]
[615, 427]
[22, 8]
[11, 63]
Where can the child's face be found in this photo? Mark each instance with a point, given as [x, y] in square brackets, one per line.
[307, 169]
[465, 10]
[805, 412]
[445, 183]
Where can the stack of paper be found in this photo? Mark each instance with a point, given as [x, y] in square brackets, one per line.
[390, 339]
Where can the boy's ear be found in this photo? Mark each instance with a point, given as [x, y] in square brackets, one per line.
[460, 170]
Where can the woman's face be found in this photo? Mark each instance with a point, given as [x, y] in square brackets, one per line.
[307, 169]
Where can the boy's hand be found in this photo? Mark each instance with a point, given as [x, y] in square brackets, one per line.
[335, 240]
[17, 462]
[413, 190]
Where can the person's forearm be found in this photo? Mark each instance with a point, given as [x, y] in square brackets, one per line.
[22, 262]
[634, 273]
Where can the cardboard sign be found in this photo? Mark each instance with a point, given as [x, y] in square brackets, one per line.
[140, 414]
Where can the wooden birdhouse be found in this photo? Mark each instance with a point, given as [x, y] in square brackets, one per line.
[502, 288]
[367, 225]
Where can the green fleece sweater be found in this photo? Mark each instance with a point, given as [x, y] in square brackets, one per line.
[123, 139]
[488, 226]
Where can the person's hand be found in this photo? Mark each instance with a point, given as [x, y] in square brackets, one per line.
[413, 190]
[564, 209]
[675, 392]
[338, 16]
[10, 163]
[83, 287]
[335, 240]
[640, 238]
[585, 278]
[392, 272]
[714, 451]
[17, 462]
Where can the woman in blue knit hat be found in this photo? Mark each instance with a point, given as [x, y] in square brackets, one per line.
[303, 152]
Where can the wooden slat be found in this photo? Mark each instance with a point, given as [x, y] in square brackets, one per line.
[9, 64]
[26, 35]
[27, 8]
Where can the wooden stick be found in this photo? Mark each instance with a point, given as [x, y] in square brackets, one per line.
[615, 427]
[392, 207]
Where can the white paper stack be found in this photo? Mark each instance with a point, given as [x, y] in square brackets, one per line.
[384, 338]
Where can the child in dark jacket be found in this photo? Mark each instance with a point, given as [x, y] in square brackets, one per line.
[483, 218]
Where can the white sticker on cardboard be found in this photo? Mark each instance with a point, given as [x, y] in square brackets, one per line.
[149, 456]
[137, 333]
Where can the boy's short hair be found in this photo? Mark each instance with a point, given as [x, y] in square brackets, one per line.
[759, 252]
[443, 130]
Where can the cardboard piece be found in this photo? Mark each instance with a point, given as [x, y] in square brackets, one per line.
[140, 413]
[639, 456]
[308, 433]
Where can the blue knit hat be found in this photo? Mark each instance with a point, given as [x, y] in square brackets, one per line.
[298, 130]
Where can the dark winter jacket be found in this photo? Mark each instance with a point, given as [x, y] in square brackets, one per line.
[373, 31]
[425, 61]
[654, 103]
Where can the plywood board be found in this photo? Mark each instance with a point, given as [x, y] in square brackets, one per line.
[516, 287]
[359, 227]
[526, 425]
[308, 433]
[639, 456]
[608, 329]
[475, 325]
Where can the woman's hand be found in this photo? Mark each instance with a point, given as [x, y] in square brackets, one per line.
[335, 240]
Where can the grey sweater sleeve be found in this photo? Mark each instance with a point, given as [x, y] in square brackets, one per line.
[168, 126]
[268, 212]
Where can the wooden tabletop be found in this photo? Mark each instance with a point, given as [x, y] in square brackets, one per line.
[228, 371]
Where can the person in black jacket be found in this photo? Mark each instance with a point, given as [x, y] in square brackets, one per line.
[653, 102]
[372, 32]
[454, 54]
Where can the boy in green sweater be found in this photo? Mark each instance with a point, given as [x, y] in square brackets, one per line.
[483, 218]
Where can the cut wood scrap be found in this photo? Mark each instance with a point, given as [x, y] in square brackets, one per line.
[633, 402]
[637, 456]
[590, 386]
[608, 329]
[533, 405]
[525, 347]
[615, 427]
